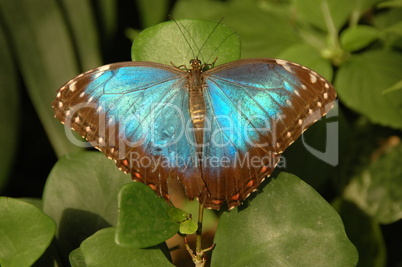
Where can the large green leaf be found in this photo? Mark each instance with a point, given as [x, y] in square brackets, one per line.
[288, 224]
[25, 233]
[169, 42]
[377, 189]
[101, 250]
[360, 83]
[81, 196]
[144, 219]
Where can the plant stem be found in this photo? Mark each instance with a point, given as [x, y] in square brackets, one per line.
[199, 253]
[199, 257]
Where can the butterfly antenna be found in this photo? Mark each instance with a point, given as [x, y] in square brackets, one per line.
[184, 36]
[194, 42]
[216, 26]
[217, 48]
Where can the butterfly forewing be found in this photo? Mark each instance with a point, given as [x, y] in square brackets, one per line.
[138, 114]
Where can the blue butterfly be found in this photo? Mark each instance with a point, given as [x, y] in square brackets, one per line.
[220, 131]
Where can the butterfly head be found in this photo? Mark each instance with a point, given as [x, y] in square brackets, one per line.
[195, 63]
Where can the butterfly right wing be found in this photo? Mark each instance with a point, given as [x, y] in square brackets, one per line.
[136, 114]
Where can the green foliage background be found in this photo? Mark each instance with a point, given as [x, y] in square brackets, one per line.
[355, 44]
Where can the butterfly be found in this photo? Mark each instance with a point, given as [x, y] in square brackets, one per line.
[219, 130]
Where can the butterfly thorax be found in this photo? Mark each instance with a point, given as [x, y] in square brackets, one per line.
[196, 98]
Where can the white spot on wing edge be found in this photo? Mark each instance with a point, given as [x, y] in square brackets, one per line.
[325, 95]
[313, 78]
[82, 94]
[284, 64]
[103, 68]
[73, 86]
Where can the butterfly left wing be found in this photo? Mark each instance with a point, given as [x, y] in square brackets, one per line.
[255, 108]
[135, 113]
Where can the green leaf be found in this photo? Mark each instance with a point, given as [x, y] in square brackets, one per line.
[81, 196]
[177, 215]
[25, 233]
[267, 34]
[377, 189]
[389, 22]
[144, 219]
[169, 42]
[9, 109]
[364, 232]
[356, 38]
[188, 227]
[152, 11]
[45, 55]
[288, 224]
[101, 250]
[395, 28]
[76, 258]
[324, 14]
[390, 4]
[360, 83]
[396, 87]
[307, 56]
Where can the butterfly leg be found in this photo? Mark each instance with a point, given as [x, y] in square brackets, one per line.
[181, 67]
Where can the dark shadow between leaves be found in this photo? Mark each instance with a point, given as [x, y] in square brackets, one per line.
[75, 226]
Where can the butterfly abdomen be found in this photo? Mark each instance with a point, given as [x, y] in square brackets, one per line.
[197, 103]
